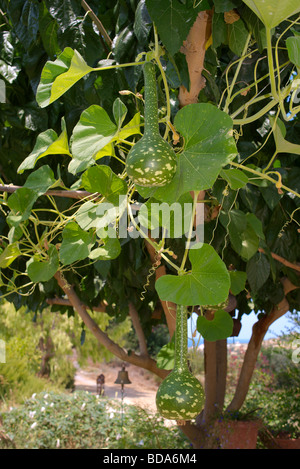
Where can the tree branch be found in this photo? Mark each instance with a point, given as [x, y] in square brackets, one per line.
[282, 260]
[65, 302]
[194, 50]
[59, 193]
[141, 361]
[138, 329]
[98, 23]
[258, 332]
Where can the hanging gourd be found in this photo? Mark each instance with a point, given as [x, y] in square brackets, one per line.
[151, 162]
[180, 396]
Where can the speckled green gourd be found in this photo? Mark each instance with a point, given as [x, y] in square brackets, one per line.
[151, 162]
[180, 395]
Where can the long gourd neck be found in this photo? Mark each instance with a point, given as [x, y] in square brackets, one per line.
[181, 338]
[151, 106]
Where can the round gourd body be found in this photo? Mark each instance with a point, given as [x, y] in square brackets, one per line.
[180, 396]
[151, 162]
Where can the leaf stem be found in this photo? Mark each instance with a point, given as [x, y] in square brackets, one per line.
[196, 193]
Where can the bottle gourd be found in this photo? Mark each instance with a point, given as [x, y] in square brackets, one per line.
[151, 162]
[180, 395]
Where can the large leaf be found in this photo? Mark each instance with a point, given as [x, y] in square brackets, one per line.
[103, 180]
[271, 13]
[40, 270]
[59, 75]
[20, 203]
[166, 356]
[235, 178]
[9, 254]
[220, 327]
[92, 133]
[174, 20]
[208, 146]
[242, 232]
[237, 36]
[207, 283]
[40, 180]
[293, 47]
[237, 281]
[95, 132]
[283, 145]
[76, 244]
[47, 143]
[258, 271]
[111, 247]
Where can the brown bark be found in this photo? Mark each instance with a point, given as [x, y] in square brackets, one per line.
[141, 361]
[139, 330]
[194, 50]
[258, 332]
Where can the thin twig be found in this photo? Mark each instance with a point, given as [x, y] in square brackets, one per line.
[59, 193]
[98, 23]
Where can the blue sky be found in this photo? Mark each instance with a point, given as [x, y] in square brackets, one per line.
[278, 328]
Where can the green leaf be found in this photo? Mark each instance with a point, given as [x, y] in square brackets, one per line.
[20, 203]
[119, 112]
[59, 76]
[92, 133]
[220, 327]
[282, 145]
[48, 28]
[47, 143]
[99, 216]
[243, 237]
[237, 36]
[237, 281]
[173, 20]
[272, 13]
[206, 284]
[258, 271]
[103, 180]
[235, 178]
[208, 146]
[9, 254]
[40, 180]
[165, 359]
[43, 270]
[111, 248]
[76, 244]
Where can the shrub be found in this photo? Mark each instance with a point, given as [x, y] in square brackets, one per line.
[82, 420]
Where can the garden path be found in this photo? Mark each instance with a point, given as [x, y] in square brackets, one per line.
[140, 392]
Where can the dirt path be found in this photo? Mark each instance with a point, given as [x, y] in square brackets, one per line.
[141, 391]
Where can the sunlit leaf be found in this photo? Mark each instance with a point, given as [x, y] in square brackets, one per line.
[220, 327]
[207, 283]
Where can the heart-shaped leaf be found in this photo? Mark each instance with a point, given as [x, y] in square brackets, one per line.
[42, 271]
[47, 143]
[207, 283]
[166, 356]
[272, 13]
[220, 327]
[76, 244]
[103, 180]
[208, 146]
[237, 281]
[9, 254]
